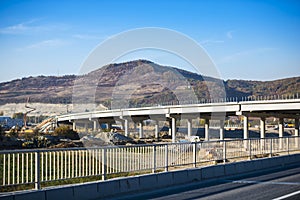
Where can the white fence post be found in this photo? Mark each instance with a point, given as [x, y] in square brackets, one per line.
[224, 151]
[288, 145]
[250, 147]
[195, 154]
[104, 165]
[271, 147]
[154, 159]
[37, 170]
[166, 158]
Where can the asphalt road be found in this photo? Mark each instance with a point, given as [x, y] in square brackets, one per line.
[283, 184]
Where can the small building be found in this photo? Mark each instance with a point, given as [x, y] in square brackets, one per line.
[8, 122]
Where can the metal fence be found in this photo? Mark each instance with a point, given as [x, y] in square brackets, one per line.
[36, 167]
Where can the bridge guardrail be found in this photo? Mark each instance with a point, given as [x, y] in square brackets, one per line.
[220, 100]
[36, 168]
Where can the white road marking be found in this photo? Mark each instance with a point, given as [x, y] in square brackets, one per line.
[264, 182]
[287, 196]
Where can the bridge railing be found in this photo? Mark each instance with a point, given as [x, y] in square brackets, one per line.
[27, 169]
[227, 99]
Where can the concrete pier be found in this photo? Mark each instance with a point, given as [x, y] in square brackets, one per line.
[297, 131]
[156, 129]
[95, 125]
[246, 127]
[173, 120]
[296, 127]
[206, 129]
[141, 130]
[170, 127]
[189, 127]
[262, 127]
[126, 126]
[221, 129]
[74, 126]
[281, 127]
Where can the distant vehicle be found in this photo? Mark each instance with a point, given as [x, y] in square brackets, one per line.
[65, 140]
[286, 125]
[194, 138]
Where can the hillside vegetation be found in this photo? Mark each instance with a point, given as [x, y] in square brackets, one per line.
[137, 82]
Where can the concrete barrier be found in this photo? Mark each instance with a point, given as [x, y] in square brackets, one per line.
[84, 191]
[148, 181]
[180, 177]
[7, 198]
[129, 184]
[106, 188]
[229, 169]
[164, 179]
[125, 185]
[211, 172]
[33, 195]
[195, 174]
[63, 193]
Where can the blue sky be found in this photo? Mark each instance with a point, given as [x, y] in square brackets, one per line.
[253, 40]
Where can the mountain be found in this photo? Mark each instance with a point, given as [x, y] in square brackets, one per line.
[44, 89]
[137, 82]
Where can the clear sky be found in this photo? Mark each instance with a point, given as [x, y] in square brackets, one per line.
[253, 40]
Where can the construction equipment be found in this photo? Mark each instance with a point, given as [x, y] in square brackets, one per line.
[46, 125]
[27, 112]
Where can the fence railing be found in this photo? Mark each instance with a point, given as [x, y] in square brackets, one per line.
[37, 167]
[226, 99]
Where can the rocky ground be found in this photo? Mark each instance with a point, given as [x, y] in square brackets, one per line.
[44, 109]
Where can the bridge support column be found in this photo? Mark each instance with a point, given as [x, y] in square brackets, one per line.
[141, 131]
[126, 125]
[74, 125]
[246, 132]
[296, 127]
[206, 129]
[95, 128]
[173, 120]
[246, 127]
[221, 129]
[170, 127]
[156, 133]
[281, 127]
[297, 132]
[262, 127]
[189, 127]
[281, 130]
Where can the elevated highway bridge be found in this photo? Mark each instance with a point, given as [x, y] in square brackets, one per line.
[284, 108]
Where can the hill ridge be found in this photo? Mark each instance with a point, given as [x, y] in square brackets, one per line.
[59, 89]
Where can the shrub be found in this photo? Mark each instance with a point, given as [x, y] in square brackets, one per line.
[66, 132]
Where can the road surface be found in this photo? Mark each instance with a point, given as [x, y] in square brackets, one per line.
[276, 184]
